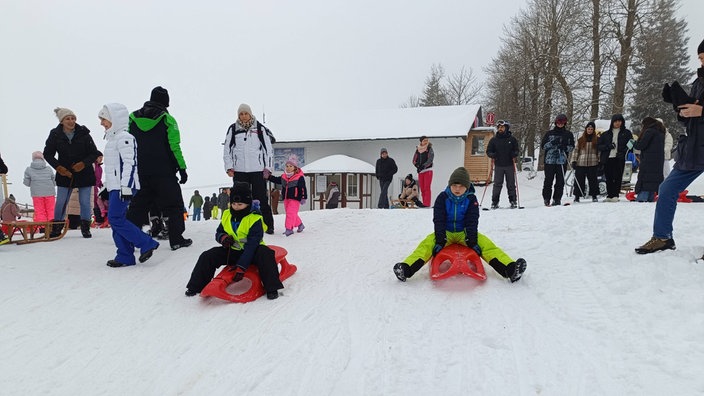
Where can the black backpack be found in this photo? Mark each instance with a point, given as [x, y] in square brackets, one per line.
[259, 134]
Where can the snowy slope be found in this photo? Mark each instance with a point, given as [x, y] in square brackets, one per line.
[590, 317]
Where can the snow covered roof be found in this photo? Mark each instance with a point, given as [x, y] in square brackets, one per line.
[338, 163]
[402, 123]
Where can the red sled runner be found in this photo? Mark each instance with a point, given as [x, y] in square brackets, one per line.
[462, 260]
[218, 286]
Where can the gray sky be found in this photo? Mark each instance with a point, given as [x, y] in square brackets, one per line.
[281, 57]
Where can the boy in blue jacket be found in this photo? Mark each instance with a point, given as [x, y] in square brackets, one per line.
[456, 219]
[241, 236]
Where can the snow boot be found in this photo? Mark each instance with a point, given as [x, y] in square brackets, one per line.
[272, 295]
[514, 205]
[288, 232]
[576, 199]
[556, 202]
[148, 254]
[85, 229]
[184, 243]
[400, 269]
[117, 264]
[494, 205]
[190, 293]
[301, 228]
[56, 228]
[546, 202]
[519, 267]
[656, 245]
[3, 238]
[595, 199]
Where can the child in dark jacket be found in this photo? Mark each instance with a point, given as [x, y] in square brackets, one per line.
[456, 219]
[293, 192]
[241, 236]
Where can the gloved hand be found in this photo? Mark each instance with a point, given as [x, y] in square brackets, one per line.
[230, 172]
[78, 166]
[303, 201]
[125, 193]
[574, 164]
[63, 171]
[630, 144]
[239, 274]
[266, 173]
[227, 241]
[437, 248]
[477, 249]
[184, 176]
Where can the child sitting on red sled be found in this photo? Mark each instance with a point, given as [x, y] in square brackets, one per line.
[456, 219]
[241, 236]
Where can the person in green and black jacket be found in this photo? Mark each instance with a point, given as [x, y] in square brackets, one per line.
[159, 157]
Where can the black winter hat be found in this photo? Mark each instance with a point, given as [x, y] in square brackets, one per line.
[160, 95]
[561, 117]
[240, 192]
[459, 176]
[700, 49]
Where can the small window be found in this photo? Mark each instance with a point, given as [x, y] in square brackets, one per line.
[478, 145]
[352, 187]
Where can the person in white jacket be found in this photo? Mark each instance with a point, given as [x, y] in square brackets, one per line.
[122, 182]
[248, 155]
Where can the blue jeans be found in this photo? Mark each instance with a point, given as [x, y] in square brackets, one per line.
[196, 214]
[63, 194]
[384, 194]
[669, 191]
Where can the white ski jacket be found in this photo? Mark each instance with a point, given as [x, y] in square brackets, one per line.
[120, 154]
[247, 153]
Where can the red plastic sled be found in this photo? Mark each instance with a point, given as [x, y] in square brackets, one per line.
[463, 260]
[218, 286]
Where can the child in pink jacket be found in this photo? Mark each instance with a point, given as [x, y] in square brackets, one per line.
[293, 192]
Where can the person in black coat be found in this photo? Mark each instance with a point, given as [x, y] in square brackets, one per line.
[503, 150]
[76, 153]
[612, 146]
[652, 154]
[3, 167]
[385, 170]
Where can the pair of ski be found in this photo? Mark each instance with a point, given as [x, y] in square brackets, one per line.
[517, 207]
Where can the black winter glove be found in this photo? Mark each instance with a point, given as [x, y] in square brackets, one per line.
[437, 248]
[574, 164]
[227, 241]
[184, 176]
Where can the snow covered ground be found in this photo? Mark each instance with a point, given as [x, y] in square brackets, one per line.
[589, 317]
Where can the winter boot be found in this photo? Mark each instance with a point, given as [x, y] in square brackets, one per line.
[519, 267]
[656, 245]
[401, 269]
[301, 228]
[595, 199]
[85, 229]
[556, 202]
[117, 264]
[3, 238]
[288, 232]
[272, 295]
[156, 226]
[494, 205]
[185, 243]
[546, 202]
[190, 293]
[56, 228]
[514, 205]
[576, 199]
[148, 254]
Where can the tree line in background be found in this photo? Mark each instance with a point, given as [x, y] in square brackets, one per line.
[587, 59]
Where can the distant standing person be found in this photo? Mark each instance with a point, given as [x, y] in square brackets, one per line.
[197, 203]
[385, 170]
[689, 164]
[613, 148]
[122, 183]
[76, 153]
[42, 187]
[651, 144]
[585, 162]
[207, 208]
[423, 161]
[159, 158]
[248, 154]
[503, 150]
[223, 202]
[557, 143]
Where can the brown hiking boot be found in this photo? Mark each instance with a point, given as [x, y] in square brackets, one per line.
[656, 245]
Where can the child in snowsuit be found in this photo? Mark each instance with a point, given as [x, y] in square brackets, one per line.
[241, 236]
[39, 177]
[294, 193]
[456, 219]
[122, 182]
[410, 191]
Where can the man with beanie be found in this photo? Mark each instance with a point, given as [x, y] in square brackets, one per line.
[241, 238]
[689, 164]
[159, 158]
[76, 153]
[503, 150]
[456, 220]
[557, 143]
[248, 157]
[385, 170]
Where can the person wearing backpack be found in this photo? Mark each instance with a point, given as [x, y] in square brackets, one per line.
[248, 156]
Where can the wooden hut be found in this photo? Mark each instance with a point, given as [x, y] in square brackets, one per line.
[475, 158]
[353, 176]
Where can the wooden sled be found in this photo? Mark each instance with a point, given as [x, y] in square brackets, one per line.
[462, 260]
[403, 204]
[22, 232]
[218, 286]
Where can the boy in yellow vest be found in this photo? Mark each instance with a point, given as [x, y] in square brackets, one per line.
[241, 236]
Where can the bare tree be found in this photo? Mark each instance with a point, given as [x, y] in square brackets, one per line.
[624, 35]
[462, 88]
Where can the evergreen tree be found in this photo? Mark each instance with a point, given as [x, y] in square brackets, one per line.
[661, 57]
[434, 94]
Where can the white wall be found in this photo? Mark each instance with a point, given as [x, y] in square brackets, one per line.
[449, 154]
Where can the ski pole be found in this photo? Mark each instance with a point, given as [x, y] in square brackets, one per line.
[518, 194]
[486, 185]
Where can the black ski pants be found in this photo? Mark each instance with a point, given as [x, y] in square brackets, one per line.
[613, 171]
[164, 193]
[588, 172]
[554, 172]
[509, 173]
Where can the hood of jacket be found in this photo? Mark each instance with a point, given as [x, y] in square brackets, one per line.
[119, 116]
[38, 163]
[617, 117]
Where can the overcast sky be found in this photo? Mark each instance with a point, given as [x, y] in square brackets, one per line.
[281, 57]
